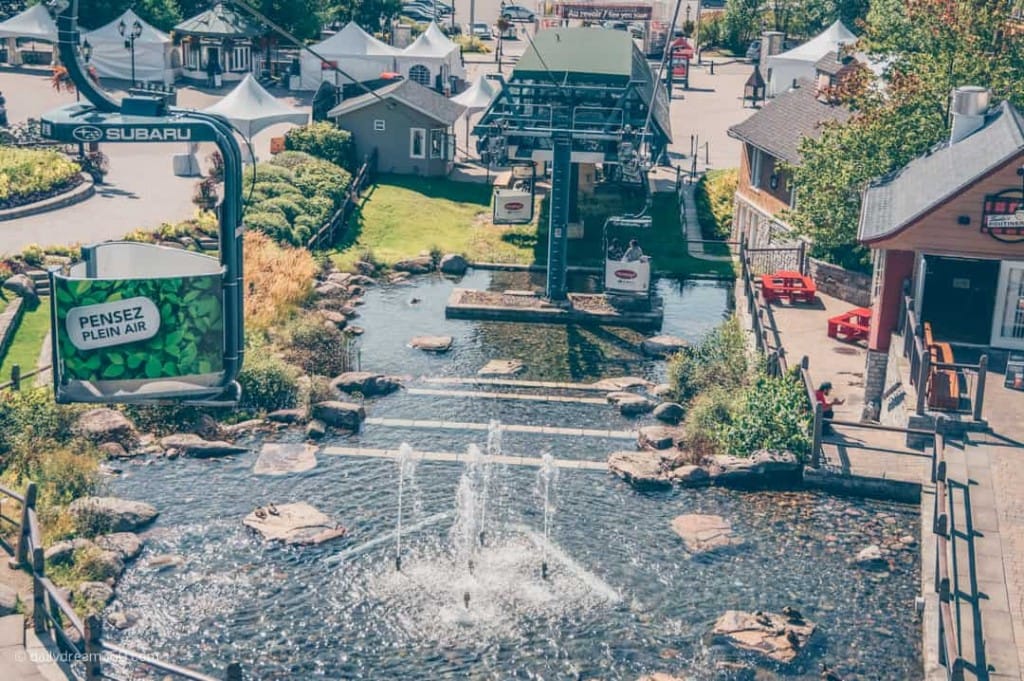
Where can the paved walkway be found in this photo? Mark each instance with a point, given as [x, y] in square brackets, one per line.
[23, 657]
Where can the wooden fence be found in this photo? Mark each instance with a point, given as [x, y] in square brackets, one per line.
[327, 234]
[17, 377]
[79, 640]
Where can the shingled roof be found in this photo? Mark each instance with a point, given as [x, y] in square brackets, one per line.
[778, 128]
[409, 93]
[894, 201]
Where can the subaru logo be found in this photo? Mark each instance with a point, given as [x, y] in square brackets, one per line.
[87, 133]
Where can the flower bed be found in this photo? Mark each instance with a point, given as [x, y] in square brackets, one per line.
[30, 175]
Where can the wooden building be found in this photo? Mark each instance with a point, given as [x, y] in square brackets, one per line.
[220, 40]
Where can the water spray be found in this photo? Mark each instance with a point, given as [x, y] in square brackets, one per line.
[465, 599]
[544, 570]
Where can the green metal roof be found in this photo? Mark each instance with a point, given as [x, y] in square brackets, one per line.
[580, 52]
[221, 22]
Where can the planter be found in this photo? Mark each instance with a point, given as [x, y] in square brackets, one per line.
[80, 192]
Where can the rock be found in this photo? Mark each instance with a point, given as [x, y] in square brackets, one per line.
[188, 444]
[316, 429]
[206, 427]
[630, 404]
[122, 619]
[502, 368]
[348, 312]
[620, 383]
[398, 277]
[243, 427]
[642, 468]
[106, 425]
[112, 514]
[659, 437]
[336, 318]
[661, 391]
[8, 600]
[164, 561]
[690, 476]
[113, 450]
[355, 290]
[669, 412]
[870, 557]
[106, 564]
[367, 269]
[340, 278]
[366, 383]
[339, 414]
[297, 523]
[908, 540]
[661, 676]
[663, 346]
[279, 458]
[355, 330]
[125, 544]
[760, 468]
[362, 280]
[432, 343]
[287, 416]
[702, 533]
[330, 290]
[62, 552]
[96, 593]
[769, 634]
[453, 263]
[23, 286]
[419, 265]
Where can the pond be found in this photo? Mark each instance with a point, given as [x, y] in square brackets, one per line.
[574, 574]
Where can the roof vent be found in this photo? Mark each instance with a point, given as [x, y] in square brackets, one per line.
[796, 84]
[968, 108]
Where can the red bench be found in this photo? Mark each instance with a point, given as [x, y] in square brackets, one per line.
[785, 284]
[853, 325]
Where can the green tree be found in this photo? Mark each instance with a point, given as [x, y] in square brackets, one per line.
[301, 18]
[366, 13]
[163, 14]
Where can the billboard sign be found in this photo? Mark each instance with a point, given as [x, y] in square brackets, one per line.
[1003, 217]
[605, 12]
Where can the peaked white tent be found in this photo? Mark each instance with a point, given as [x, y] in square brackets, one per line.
[799, 62]
[34, 23]
[430, 56]
[153, 51]
[355, 51]
[476, 98]
[251, 109]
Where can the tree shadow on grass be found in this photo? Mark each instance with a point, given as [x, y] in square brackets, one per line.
[440, 188]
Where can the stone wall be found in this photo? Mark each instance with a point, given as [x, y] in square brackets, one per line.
[853, 287]
[9, 321]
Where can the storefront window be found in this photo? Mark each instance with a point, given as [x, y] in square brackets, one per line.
[417, 143]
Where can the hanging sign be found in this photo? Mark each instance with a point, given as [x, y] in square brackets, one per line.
[605, 12]
[1003, 216]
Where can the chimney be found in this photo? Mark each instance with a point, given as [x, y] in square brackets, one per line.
[771, 43]
[967, 109]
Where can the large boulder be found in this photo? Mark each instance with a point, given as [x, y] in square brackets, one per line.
[702, 533]
[366, 383]
[106, 425]
[659, 437]
[105, 564]
[690, 475]
[502, 368]
[871, 558]
[669, 412]
[62, 552]
[336, 318]
[339, 414]
[340, 278]
[164, 562]
[331, 290]
[316, 429]
[125, 544]
[432, 343]
[419, 265]
[663, 346]
[644, 467]
[23, 286]
[297, 523]
[8, 600]
[112, 514]
[280, 458]
[189, 444]
[630, 404]
[762, 468]
[775, 636]
[453, 263]
[94, 593]
[367, 269]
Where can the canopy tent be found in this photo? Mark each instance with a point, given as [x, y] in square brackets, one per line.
[153, 51]
[34, 23]
[436, 57]
[476, 98]
[251, 109]
[799, 62]
[355, 52]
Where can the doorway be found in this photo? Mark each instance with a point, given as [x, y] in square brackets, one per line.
[959, 298]
[1008, 326]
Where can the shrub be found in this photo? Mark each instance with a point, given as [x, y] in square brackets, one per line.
[317, 207]
[33, 255]
[268, 383]
[719, 360]
[707, 417]
[323, 140]
[274, 189]
[323, 179]
[273, 224]
[286, 205]
[714, 196]
[278, 279]
[27, 172]
[291, 159]
[317, 348]
[30, 415]
[266, 172]
[771, 414]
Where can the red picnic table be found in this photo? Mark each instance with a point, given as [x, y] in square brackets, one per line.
[786, 284]
[853, 325]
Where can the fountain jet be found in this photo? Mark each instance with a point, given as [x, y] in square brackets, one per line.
[406, 469]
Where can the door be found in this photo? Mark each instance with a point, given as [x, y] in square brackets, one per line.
[958, 298]
[1008, 325]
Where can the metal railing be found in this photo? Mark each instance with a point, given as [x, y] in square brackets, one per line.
[80, 641]
[327, 234]
[762, 319]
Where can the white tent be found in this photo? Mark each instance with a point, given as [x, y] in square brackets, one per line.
[476, 98]
[355, 51]
[435, 55]
[34, 23]
[799, 62]
[153, 51]
[250, 108]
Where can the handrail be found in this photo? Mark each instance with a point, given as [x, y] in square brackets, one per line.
[344, 211]
[155, 663]
[17, 376]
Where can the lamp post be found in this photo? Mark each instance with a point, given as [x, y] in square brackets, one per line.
[129, 40]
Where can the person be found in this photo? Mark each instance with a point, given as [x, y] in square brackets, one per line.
[212, 69]
[633, 253]
[822, 394]
[3, 111]
[614, 250]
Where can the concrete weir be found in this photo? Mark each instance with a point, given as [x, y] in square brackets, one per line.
[526, 306]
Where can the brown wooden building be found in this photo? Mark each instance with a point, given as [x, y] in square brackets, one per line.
[947, 230]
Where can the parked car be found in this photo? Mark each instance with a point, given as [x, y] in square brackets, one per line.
[479, 29]
[754, 51]
[615, 25]
[417, 13]
[427, 8]
[636, 29]
[517, 13]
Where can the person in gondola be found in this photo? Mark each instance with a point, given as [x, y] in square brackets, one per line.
[634, 252]
[614, 250]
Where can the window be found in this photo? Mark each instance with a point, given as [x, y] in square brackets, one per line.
[379, 125]
[238, 58]
[417, 143]
[192, 57]
[437, 143]
[420, 74]
[755, 158]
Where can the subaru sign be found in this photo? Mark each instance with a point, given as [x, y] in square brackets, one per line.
[87, 133]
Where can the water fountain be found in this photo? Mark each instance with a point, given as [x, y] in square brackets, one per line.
[546, 478]
[406, 471]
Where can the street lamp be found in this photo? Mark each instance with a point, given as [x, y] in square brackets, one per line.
[129, 40]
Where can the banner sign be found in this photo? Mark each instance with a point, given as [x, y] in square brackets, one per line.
[1003, 217]
[606, 12]
[139, 329]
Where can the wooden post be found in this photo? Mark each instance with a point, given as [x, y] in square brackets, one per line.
[38, 592]
[816, 436]
[922, 380]
[16, 377]
[802, 257]
[93, 649]
[234, 672]
[21, 552]
[979, 391]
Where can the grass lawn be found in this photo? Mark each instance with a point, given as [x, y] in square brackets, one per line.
[402, 215]
[28, 340]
